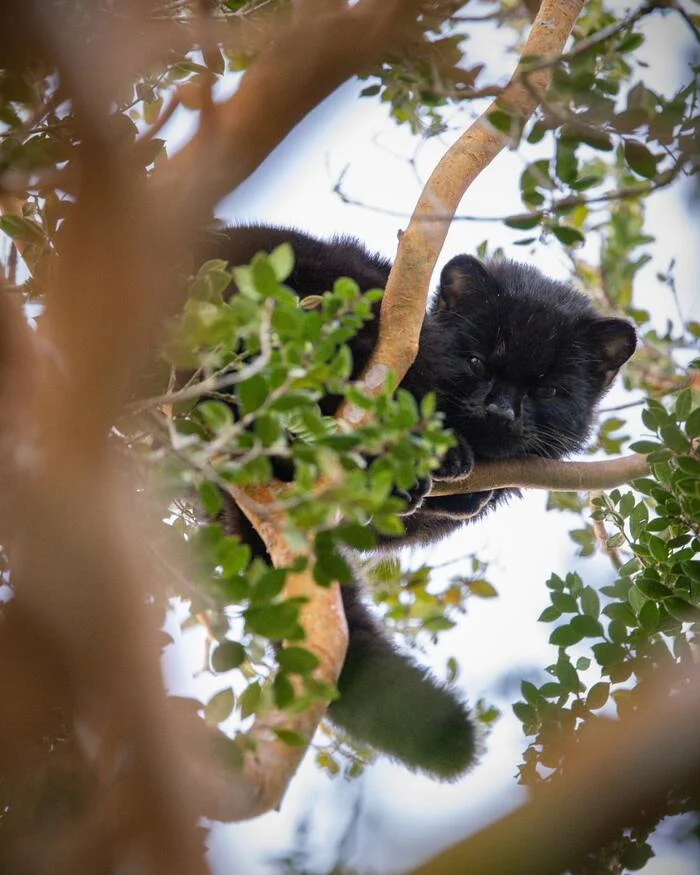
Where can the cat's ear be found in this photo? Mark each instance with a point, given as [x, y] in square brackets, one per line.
[613, 341]
[462, 276]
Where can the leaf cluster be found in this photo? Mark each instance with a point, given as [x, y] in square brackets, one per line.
[265, 365]
[647, 620]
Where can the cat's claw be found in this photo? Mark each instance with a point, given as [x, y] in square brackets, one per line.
[457, 462]
[414, 496]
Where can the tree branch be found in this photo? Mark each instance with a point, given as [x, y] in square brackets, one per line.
[270, 767]
[403, 305]
[531, 472]
[338, 42]
[618, 767]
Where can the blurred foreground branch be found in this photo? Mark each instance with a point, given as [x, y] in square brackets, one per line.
[618, 769]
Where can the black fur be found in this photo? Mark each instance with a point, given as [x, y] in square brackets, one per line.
[518, 362]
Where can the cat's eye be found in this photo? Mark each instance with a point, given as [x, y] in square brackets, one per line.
[545, 393]
[476, 366]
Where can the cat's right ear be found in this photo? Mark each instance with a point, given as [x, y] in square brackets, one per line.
[464, 275]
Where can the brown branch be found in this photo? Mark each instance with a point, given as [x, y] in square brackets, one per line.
[338, 41]
[272, 764]
[557, 476]
[406, 293]
[268, 774]
[619, 770]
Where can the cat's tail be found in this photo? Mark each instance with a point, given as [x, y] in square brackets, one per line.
[397, 707]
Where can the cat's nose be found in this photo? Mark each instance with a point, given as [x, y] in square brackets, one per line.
[504, 412]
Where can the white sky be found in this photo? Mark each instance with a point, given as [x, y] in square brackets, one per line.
[405, 817]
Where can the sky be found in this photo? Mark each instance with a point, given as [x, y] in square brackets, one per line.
[401, 818]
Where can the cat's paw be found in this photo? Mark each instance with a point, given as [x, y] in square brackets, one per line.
[461, 506]
[414, 496]
[458, 461]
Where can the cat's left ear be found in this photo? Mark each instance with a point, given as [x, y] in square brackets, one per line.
[613, 341]
[462, 276]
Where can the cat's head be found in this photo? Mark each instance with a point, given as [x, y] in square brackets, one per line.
[518, 361]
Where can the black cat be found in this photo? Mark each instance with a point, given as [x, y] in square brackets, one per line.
[517, 362]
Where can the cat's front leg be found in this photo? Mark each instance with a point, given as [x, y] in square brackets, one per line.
[457, 462]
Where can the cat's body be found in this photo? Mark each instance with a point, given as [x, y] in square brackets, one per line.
[517, 362]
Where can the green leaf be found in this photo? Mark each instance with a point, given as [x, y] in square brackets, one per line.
[437, 623]
[290, 737]
[692, 426]
[482, 589]
[564, 636]
[649, 616]
[549, 614]
[23, 229]
[268, 429]
[597, 696]
[630, 42]
[276, 621]
[590, 602]
[566, 163]
[525, 713]
[281, 259]
[269, 584]
[564, 602]
[586, 626]
[219, 707]
[530, 692]
[251, 393]
[523, 222]
[297, 660]
[689, 465]
[638, 519]
[607, 654]
[228, 655]
[355, 535]
[232, 557]
[639, 158]
[566, 235]
[502, 121]
[652, 589]
[210, 497]
[331, 566]
[567, 675]
[682, 610]
[645, 447]
[683, 405]
[674, 438]
[282, 690]
[658, 548]
[264, 275]
[249, 699]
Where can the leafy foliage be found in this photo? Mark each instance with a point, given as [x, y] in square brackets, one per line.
[646, 621]
[601, 143]
[281, 356]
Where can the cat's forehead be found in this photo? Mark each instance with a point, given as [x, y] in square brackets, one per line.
[528, 323]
